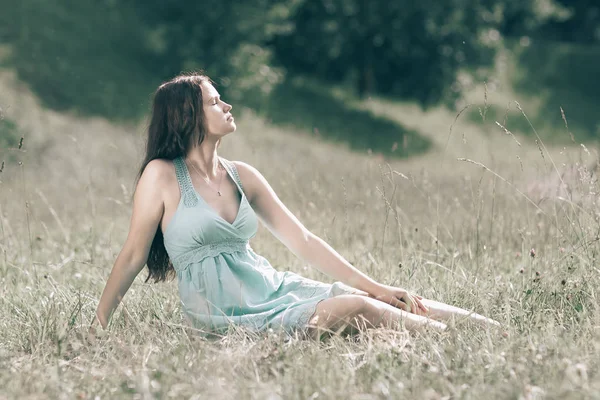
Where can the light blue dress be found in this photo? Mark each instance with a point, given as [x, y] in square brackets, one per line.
[221, 280]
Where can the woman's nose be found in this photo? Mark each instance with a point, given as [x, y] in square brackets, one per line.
[228, 107]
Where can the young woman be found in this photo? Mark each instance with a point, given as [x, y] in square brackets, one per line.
[194, 213]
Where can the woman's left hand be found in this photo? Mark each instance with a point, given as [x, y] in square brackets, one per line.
[399, 298]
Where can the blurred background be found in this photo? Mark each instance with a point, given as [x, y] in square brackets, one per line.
[307, 62]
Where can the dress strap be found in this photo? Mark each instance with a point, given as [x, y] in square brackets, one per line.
[233, 172]
[185, 183]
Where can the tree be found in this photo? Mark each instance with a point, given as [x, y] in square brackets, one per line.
[224, 39]
[578, 21]
[408, 49]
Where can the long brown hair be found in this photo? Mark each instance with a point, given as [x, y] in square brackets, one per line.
[177, 119]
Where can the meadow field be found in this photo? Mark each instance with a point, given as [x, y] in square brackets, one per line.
[488, 219]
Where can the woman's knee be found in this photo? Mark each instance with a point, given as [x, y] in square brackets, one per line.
[339, 309]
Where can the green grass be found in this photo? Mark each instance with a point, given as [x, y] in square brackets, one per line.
[562, 75]
[310, 106]
[97, 65]
[447, 229]
[508, 116]
[545, 77]
[9, 139]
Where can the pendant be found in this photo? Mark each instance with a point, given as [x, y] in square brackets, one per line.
[219, 193]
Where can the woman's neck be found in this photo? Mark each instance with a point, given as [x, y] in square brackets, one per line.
[205, 158]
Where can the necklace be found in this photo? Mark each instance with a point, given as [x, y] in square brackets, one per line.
[219, 167]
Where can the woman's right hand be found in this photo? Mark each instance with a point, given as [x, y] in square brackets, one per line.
[399, 298]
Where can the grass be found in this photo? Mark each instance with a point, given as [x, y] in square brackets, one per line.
[9, 139]
[547, 77]
[305, 105]
[86, 56]
[456, 231]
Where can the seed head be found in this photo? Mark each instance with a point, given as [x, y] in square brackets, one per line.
[532, 252]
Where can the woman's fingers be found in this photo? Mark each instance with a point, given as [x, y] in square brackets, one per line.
[411, 301]
[420, 304]
[400, 304]
[414, 304]
[403, 300]
[403, 305]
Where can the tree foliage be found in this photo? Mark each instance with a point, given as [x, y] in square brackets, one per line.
[81, 55]
[224, 39]
[407, 49]
[578, 21]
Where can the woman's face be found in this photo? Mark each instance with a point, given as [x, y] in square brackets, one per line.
[217, 113]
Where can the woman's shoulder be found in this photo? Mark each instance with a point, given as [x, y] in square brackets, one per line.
[159, 167]
[242, 167]
[246, 172]
[247, 176]
[161, 172]
[159, 180]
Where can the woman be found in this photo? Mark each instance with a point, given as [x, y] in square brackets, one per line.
[193, 214]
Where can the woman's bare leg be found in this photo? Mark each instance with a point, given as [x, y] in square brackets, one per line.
[351, 312]
[447, 313]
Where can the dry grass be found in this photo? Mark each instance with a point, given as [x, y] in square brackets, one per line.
[455, 231]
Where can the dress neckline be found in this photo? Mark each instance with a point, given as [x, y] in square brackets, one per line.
[210, 208]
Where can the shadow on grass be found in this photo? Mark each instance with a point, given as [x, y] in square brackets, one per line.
[9, 139]
[558, 75]
[511, 118]
[318, 112]
[83, 56]
[547, 119]
[563, 75]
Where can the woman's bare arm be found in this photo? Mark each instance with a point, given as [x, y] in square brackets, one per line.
[292, 233]
[148, 209]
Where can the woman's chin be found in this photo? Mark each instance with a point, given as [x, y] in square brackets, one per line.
[230, 128]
